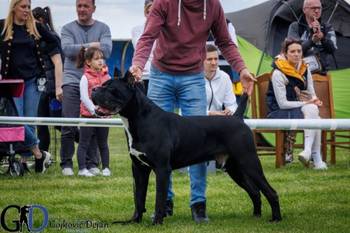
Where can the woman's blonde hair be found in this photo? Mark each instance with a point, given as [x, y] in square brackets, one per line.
[8, 26]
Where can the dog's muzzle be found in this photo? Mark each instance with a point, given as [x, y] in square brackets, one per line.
[101, 110]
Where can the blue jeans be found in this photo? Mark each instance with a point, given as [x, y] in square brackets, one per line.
[30, 138]
[188, 93]
[27, 105]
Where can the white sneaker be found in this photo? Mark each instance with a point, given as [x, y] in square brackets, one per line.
[85, 172]
[47, 160]
[321, 166]
[95, 171]
[67, 171]
[288, 158]
[304, 157]
[106, 172]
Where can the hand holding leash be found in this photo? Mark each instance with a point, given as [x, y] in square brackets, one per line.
[247, 81]
[136, 71]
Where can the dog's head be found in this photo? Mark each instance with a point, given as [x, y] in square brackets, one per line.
[114, 94]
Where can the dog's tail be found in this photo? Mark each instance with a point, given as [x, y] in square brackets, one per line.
[243, 102]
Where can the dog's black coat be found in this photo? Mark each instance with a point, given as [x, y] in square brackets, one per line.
[162, 141]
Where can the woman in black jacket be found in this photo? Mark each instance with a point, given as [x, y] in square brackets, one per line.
[21, 56]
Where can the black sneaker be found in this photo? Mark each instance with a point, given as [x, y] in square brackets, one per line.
[42, 163]
[199, 212]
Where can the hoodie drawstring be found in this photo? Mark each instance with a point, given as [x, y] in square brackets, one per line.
[179, 12]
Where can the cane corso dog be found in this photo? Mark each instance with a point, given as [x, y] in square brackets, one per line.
[163, 141]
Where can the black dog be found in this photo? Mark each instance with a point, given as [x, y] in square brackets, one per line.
[163, 141]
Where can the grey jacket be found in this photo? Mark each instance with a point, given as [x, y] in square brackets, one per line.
[73, 37]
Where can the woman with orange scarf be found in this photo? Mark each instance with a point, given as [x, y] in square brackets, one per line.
[291, 95]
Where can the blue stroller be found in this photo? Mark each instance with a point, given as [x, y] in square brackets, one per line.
[11, 136]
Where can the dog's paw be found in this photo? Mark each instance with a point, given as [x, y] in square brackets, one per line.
[136, 218]
[257, 215]
[275, 219]
[157, 220]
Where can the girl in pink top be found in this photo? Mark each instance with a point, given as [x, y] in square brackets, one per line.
[95, 74]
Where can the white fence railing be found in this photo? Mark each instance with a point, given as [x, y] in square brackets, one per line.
[294, 124]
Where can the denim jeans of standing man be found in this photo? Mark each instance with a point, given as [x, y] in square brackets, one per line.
[188, 93]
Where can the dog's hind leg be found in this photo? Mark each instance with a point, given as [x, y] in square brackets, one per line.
[162, 183]
[244, 182]
[256, 176]
[270, 194]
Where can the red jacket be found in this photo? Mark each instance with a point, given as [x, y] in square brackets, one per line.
[180, 47]
[95, 79]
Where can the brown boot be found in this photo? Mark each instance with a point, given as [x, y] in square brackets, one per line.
[289, 140]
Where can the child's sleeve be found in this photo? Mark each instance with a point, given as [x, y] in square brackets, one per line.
[84, 95]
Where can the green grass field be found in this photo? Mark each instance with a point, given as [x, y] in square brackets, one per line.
[311, 201]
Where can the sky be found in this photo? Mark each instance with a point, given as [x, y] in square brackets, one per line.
[119, 15]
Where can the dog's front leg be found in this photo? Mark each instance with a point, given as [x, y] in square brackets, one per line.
[162, 183]
[140, 174]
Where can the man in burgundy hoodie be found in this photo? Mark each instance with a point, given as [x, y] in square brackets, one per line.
[181, 28]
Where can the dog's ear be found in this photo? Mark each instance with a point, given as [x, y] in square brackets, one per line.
[129, 78]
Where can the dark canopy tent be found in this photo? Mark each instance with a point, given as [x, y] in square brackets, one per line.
[266, 25]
